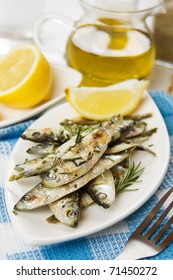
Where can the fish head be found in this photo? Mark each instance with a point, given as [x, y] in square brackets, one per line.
[104, 195]
[70, 214]
[73, 216]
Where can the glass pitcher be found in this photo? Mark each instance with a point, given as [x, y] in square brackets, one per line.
[111, 42]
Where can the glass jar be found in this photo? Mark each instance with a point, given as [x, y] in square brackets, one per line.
[112, 41]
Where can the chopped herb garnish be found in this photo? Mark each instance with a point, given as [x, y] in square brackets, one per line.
[55, 169]
[72, 159]
[110, 158]
[79, 135]
[64, 173]
[151, 145]
[82, 162]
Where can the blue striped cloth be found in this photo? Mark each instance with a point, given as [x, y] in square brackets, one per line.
[104, 245]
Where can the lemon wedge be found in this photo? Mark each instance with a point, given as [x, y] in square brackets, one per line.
[101, 103]
[25, 77]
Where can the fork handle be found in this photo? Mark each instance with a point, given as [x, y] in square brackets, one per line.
[135, 250]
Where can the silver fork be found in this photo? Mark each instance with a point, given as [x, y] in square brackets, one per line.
[141, 244]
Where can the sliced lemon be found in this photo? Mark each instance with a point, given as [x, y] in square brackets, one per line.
[25, 77]
[101, 103]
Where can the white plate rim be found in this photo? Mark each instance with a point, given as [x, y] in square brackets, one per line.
[74, 234]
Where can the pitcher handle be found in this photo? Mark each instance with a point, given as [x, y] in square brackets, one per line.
[55, 55]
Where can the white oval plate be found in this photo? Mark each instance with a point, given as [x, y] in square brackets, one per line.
[32, 225]
[63, 77]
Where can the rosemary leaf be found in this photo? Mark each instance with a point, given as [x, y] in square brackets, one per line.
[79, 135]
[130, 177]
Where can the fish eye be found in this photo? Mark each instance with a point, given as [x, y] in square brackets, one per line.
[51, 175]
[102, 196]
[36, 134]
[71, 214]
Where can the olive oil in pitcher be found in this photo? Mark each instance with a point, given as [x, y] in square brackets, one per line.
[105, 54]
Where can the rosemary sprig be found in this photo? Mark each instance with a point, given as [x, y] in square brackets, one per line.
[130, 177]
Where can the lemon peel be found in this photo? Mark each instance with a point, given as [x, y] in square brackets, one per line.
[25, 77]
[101, 103]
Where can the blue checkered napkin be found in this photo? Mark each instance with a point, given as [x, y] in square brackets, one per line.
[106, 244]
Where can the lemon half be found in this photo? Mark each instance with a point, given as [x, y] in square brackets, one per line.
[101, 103]
[25, 77]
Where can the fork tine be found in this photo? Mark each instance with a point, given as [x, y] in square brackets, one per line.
[159, 220]
[153, 212]
[167, 240]
[163, 230]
